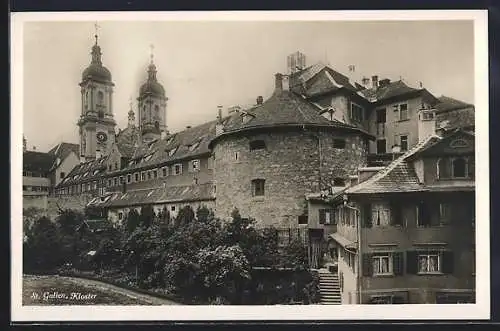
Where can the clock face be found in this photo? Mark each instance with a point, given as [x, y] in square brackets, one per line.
[101, 137]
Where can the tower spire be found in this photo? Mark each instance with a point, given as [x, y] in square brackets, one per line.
[152, 47]
[96, 28]
[131, 114]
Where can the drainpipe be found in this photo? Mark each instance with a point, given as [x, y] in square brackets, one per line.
[358, 240]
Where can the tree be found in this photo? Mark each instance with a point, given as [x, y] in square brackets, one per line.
[68, 220]
[41, 249]
[147, 216]
[133, 220]
[185, 216]
[93, 212]
[203, 214]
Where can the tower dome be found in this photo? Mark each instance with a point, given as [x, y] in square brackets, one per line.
[96, 71]
[151, 86]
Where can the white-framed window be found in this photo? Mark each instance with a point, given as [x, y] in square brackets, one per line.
[195, 165]
[136, 175]
[129, 178]
[172, 151]
[149, 175]
[236, 156]
[143, 176]
[109, 182]
[164, 171]
[177, 169]
[327, 216]
[356, 112]
[115, 181]
[429, 263]
[381, 214]
[121, 179]
[211, 161]
[382, 264]
[155, 174]
[401, 112]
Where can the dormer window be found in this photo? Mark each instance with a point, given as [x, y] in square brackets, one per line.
[172, 151]
[147, 158]
[257, 145]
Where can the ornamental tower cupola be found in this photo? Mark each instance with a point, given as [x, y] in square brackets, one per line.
[152, 106]
[96, 123]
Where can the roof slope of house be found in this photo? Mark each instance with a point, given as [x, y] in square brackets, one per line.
[85, 172]
[447, 104]
[156, 195]
[63, 149]
[127, 140]
[398, 176]
[38, 161]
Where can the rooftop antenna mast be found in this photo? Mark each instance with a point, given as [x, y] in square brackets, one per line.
[96, 30]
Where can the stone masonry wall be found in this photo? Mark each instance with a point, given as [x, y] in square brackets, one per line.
[290, 166]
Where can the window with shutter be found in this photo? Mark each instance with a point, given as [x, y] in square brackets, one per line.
[367, 215]
[382, 264]
[447, 262]
[322, 216]
[396, 214]
[398, 263]
[429, 262]
[423, 215]
[367, 265]
[411, 262]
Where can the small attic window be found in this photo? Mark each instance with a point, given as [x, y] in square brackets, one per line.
[172, 151]
[86, 174]
[95, 172]
[147, 158]
[194, 146]
[170, 139]
[257, 145]
[337, 181]
[458, 143]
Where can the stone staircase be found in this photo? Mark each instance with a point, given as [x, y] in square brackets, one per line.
[329, 288]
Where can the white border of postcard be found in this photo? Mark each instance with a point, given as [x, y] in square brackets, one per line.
[479, 310]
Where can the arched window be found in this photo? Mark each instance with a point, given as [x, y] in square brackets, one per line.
[157, 112]
[100, 98]
[459, 167]
[87, 100]
[443, 168]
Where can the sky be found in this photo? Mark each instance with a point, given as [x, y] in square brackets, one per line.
[206, 64]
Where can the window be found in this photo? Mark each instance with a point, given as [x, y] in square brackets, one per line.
[143, 176]
[157, 112]
[380, 215]
[100, 98]
[164, 172]
[382, 265]
[429, 263]
[427, 115]
[339, 143]
[172, 208]
[303, 219]
[381, 146]
[110, 167]
[257, 145]
[444, 213]
[121, 180]
[129, 178]
[327, 216]
[423, 215]
[116, 165]
[458, 143]
[403, 142]
[236, 156]
[62, 175]
[194, 145]
[401, 112]
[155, 174]
[136, 175]
[443, 168]
[356, 112]
[337, 181]
[120, 216]
[115, 180]
[149, 175]
[178, 169]
[172, 151]
[195, 165]
[381, 115]
[258, 187]
[109, 182]
[459, 167]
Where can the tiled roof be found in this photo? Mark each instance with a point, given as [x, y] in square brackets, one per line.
[156, 195]
[329, 80]
[180, 145]
[38, 161]
[127, 140]
[456, 118]
[63, 149]
[447, 103]
[391, 90]
[283, 108]
[84, 172]
[398, 176]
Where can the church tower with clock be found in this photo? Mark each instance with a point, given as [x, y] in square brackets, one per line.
[96, 123]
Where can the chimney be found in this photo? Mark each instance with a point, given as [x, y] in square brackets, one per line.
[219, 127]
[384, 82]
[278, 85]
[375, 82]
[260, 100]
